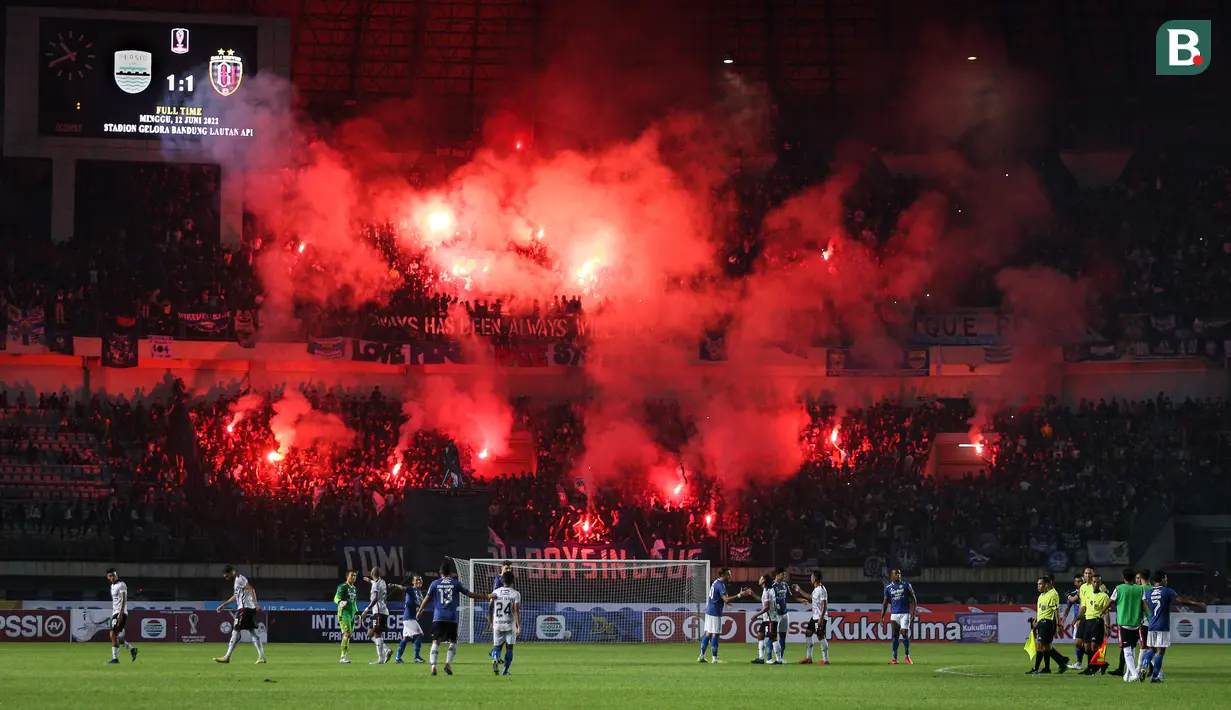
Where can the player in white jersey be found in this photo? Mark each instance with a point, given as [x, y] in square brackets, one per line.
[767, 629]
[244, 597]
[818, 624]
[119, 617]
[378, 607]
[506, 621]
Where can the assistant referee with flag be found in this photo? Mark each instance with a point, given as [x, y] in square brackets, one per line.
[1044, 628]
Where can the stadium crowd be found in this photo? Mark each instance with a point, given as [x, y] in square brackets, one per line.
[1096, 471]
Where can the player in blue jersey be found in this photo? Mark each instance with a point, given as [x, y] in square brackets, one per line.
[717, 601]
[446, 595]
[782, 593]
[412, 630]
[1074, 605]
[900, 605]
[497, 583]
[1159, 599]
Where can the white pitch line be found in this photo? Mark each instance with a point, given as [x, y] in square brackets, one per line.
[953, 670]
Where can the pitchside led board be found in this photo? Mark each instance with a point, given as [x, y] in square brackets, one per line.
[121, 79]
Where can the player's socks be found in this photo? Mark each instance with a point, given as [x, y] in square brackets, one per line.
[1158, 665]
[778, 651]
[782, 647]
[906, 645]
[401, 649]
[508, 659]
[1080, 652]
[896, 641]
[231, 645]
[714, 646]
[761, 650]
[1130, 663]
[1146, 662]
[345, 645]
[495, 653]
[418, 645]
[1038, 661]
[260, 647]
[705, 644]
[450, 654]
[808, 648]
[115, 653]
[434, 654]
[825, 650]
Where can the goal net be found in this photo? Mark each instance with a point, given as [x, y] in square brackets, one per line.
[590, 601]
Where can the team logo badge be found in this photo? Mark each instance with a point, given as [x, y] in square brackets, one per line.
[133, 70]
[179, 41]
[226, 71]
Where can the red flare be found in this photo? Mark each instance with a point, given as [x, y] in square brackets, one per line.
[677, 490]
[439, 221]
[274, 456]
[301, 246]
[482, 454]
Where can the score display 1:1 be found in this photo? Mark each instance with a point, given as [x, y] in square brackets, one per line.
[180, 84]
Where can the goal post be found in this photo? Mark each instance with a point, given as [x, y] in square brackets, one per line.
[587, 600]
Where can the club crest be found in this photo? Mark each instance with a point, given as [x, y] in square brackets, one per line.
[133, 70]
[226, 71]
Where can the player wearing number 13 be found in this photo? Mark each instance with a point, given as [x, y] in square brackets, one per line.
[446, 594]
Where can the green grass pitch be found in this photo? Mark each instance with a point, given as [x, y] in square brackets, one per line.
[632, 676]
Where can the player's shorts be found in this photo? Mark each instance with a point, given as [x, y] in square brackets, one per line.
[444, 631]
[713, 624]
[1082, 630]
[1094, 631]
[118, 621]
[346, 623]
[902, 620]
[379, 622]
[1130, 636]
[1045, 631]
[504, 638]
[1144, 635]
[818, 627]
[246, 621]
[1159, 639]
[411, 629]
[769, 628]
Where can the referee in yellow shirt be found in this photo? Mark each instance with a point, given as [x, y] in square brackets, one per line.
[1095, 614]
[1045, 627]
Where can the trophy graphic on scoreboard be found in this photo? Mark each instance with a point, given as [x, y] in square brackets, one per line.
[179, 41]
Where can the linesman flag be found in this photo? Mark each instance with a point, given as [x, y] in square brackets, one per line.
[1030, 648]
[1100, 656]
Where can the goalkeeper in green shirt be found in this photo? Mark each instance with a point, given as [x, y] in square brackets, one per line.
[1130, 607]
[346, 598]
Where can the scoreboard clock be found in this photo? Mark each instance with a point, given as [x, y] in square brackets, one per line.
[143, 80]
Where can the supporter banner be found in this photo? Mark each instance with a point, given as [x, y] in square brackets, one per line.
[26, 326]
[60, 341]
[363, 555]
[179, 626]
[415, 327]
[1107, 552]
[521, 549]
[34, 625]
[915, 362]
[327, 348]
[973, 327]
[539, 355]
[1185, 628]
[422, 352]
[905, 557]
[206, 322]
[1161, 336]
[997, 354]
[1081, 352]
[160, 347]
[322, 627]
[245, 328]
[119, 349]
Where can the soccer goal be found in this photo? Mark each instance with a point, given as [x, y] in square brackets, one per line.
[588, 601]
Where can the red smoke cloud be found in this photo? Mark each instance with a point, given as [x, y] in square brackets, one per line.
[634, 215]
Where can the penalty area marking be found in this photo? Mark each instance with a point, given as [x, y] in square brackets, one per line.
[956, 670]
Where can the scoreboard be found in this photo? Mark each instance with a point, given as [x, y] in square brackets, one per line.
[101, 78]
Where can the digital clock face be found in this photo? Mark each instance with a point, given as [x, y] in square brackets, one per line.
[143, 80]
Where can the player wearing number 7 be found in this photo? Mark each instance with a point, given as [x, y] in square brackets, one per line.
[506, 621]
[718, 600]
[445, 595]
